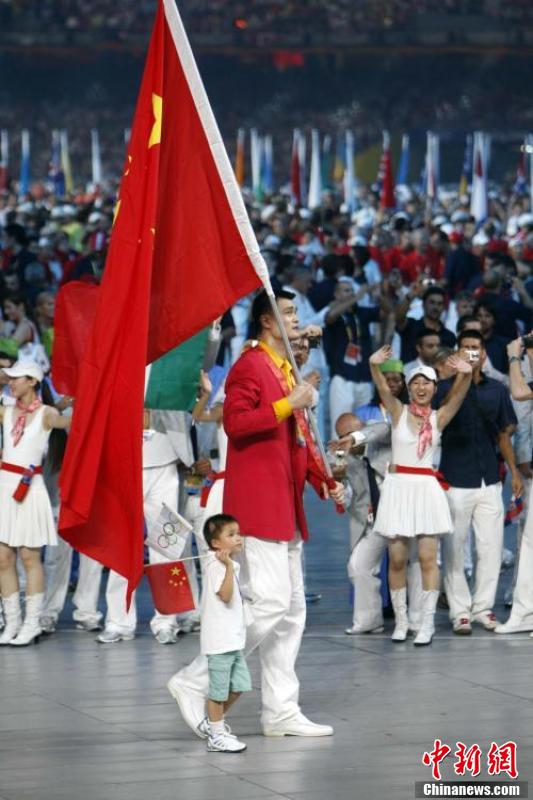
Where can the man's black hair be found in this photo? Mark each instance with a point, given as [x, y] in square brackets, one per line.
[17, 232]
[469, 334]
[464, 321]
[486, 305]
[433, 290]
[214, 526]
[426, 332]
[261, 305]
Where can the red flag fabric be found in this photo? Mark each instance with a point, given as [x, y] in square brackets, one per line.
[387, 198]
[169, 584]
[74, 316]
[182, 251]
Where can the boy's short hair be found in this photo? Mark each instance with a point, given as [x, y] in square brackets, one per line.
[214, 526]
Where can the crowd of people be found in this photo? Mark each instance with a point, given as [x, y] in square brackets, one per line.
[263, 18]
[413, 339]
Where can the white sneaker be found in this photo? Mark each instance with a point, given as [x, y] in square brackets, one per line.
[203, 729]
[222, 743]
[356, 630]
[191, 704]
[112, 637]
[189, 625]
[298, 726]
[513, 627]
[487, 619]
[166, 636]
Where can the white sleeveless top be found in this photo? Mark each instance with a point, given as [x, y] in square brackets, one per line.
[32, 447]
[405, 443]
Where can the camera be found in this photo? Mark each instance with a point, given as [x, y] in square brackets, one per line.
[472, 355]
[314, 342]
[527, 341]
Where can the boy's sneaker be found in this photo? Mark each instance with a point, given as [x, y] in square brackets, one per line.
[203, 729]
[222, 743]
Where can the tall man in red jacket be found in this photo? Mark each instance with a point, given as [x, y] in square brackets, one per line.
[270, 457]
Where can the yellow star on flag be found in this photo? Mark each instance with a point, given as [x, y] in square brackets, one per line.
[175, 571]
[157, 108]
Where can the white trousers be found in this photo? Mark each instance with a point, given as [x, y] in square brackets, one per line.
[483, 509]
[272, 580]
[364, 567]
[346, 396]
[57, 564]
[160, 485]
[522, 610]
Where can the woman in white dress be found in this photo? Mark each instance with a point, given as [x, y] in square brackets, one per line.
[26, 519]
[412, 502]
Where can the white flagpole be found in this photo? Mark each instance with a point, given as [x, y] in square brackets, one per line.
[232, 189]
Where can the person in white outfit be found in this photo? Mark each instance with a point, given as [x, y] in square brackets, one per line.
[269, 460]
[412, 502]
[471, 446]
[26, 518]
[521, 617]
[160, 486]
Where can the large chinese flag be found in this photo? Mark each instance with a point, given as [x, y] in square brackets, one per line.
[182, 251]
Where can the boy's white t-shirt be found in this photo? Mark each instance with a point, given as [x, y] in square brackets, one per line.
[222, 624]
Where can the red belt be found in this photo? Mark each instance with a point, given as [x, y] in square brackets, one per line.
[208, 485]
[20, 470]
[421, 471]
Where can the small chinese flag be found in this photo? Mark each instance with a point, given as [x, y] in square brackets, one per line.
[170, 587]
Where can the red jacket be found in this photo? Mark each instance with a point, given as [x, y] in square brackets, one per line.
[266, 468]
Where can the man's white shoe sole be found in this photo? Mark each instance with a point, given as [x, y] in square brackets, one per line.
[272, 732]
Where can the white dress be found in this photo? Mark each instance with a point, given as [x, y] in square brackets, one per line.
[411, 505]
[31, 522]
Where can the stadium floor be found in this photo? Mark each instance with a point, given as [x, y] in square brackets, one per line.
[81, 721]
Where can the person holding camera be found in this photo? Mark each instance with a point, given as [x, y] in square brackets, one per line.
[521, 617]
[409, 328]
[348, 345]
[471, 445]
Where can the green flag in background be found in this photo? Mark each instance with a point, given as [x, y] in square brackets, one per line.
[173, 380]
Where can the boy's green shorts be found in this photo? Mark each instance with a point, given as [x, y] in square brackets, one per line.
[228, 672]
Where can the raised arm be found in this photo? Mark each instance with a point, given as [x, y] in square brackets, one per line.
[517, 383]
[457, 393]
[53, 420]
[391, 403]
[200, 413]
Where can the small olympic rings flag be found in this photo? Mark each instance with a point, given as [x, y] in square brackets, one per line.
[169, 534]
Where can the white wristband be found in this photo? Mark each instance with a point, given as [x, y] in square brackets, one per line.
[358, 437]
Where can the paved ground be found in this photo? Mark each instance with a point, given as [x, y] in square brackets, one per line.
[80, 721]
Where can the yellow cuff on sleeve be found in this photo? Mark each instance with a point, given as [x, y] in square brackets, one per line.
[282, 409]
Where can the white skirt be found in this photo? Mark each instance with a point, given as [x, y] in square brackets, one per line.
[412, 505]
[26, 524]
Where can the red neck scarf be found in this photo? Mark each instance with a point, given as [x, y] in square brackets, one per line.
[425, 434]
[17, 430]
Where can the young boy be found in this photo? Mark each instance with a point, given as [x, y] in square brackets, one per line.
[223, 632]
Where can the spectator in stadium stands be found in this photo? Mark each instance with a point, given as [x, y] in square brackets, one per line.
[409, 328]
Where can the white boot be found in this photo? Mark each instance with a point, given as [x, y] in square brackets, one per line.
[427, 628]
[31, 627]
[399, 604]
[13, 618]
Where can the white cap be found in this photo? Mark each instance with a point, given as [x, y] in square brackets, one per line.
[525, 220]
[427, 372]
[22, 369]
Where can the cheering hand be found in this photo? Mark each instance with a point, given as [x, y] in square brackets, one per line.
[381, 355]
